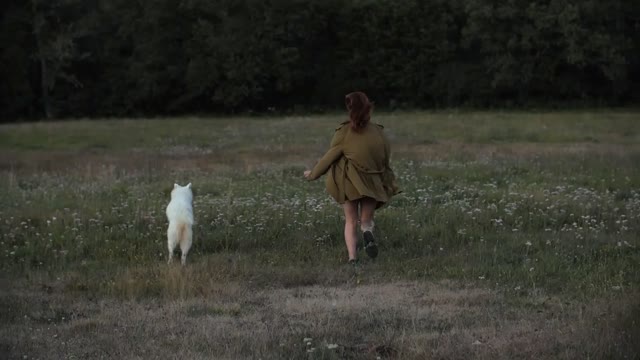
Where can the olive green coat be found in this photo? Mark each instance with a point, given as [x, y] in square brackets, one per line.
[358, 165]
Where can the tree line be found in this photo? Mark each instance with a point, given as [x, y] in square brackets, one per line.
[67, 58]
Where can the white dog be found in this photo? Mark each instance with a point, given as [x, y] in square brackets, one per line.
[180, 215]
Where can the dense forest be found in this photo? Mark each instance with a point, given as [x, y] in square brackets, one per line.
[69, 58]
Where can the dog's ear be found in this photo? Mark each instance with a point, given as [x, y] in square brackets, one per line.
[175, 186]
[189, 186]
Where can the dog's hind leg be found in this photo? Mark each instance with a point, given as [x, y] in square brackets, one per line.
[172, 240]
[186, 239]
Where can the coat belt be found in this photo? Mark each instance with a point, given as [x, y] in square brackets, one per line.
[345, 168]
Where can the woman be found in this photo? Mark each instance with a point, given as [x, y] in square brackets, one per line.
[359, 176]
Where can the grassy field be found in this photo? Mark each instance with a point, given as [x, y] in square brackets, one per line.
[516, 236]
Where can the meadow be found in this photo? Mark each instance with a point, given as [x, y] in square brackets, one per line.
[516, 236]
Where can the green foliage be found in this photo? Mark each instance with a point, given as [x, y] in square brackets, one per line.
[551, 49]
[65, 58]
[17, 95]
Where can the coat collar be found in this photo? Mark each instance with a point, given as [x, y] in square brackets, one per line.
[342, 124]
[346, 122]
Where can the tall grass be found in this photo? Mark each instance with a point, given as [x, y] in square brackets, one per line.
[515, 236]
[477, 206]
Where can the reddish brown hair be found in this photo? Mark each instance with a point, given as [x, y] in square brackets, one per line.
[359, 108]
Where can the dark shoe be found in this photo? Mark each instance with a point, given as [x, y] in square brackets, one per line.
[370, 244]
[353, 262]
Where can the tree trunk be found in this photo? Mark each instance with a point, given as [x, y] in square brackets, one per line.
[44, 86]
[46, 103]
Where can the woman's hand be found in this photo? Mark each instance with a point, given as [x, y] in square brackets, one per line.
[307, 173]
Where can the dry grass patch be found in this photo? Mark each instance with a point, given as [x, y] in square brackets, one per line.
[403, 320]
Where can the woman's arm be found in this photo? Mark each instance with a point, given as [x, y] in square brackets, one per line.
[389, 177]
[329, 157]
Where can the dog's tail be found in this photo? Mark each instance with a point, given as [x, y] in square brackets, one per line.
[182, 232]
[178, 233]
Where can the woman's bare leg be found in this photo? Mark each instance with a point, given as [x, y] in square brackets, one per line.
[350, 227]
[367, 210]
